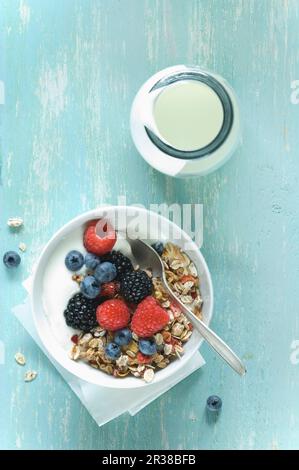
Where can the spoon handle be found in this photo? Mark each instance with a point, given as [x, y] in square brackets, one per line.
[212, 338]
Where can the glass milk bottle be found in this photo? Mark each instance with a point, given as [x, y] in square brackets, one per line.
[185, 121]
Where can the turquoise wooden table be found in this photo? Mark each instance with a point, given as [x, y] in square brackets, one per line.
[70, 71]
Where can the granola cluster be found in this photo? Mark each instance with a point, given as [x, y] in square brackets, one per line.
[182, 278]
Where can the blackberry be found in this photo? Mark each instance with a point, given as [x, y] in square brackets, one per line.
[135, 286]
[80, 312]
[121, 262]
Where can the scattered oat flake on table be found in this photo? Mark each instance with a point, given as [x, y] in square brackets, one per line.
[30, 375]
[15, 222]
[20, 359]
[22, 246]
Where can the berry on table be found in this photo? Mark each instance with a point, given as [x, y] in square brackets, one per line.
[74, 260]
[80, 312]
[158, 247]
[90, 287]
[214, 403]
[113, 315]
[135, 286]
[99, 244]
[148, 347]
[105, 272]
[112, 350]
[121, 262]
[11, 259]
[109, 289]
[123, 337]
[149, 318]
[91, 261]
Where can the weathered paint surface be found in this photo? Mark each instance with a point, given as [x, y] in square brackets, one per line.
[70, 71]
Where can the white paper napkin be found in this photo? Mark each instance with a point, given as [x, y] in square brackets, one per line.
[116, 402]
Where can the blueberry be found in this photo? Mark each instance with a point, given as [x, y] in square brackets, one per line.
[148, 347]
[123, 337]
[90, 287]
[214, 403]
[74, 260]
[112, 350]
[105, 272]
[11, 259]
[158, 247]
[91, 261]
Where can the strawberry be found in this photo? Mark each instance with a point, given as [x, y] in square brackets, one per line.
[143, 359]
[149, 318]
[109, 289]
[102, 242]
[113, 314]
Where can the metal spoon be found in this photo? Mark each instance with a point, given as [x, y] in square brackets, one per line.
[146, 257]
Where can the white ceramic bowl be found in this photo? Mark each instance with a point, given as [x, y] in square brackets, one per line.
[52, 287]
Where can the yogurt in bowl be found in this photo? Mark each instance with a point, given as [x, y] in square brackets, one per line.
[53, 286]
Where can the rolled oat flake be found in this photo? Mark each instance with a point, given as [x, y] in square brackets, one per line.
[30, 375]
[149, 375]
[20, 359]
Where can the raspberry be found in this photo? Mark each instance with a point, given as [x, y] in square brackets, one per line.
[109, 289]
[99, 245]
[149, 318]
[142, 359]
[113, 314]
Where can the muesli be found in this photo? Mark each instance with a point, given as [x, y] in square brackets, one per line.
[124, 320]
